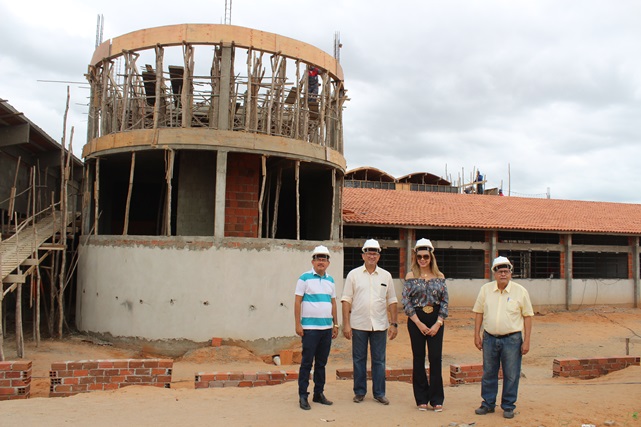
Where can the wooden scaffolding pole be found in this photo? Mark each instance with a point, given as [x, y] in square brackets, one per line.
[186, 96]
[169, 174]
[96, 195]
[279, 182]
[297, 176]
[160, 53]
[125, 228]
[262, 196]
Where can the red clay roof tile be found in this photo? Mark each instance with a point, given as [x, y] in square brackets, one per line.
[425, 209]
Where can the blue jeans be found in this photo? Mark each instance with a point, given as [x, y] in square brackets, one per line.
[316, 346]
[502, 353]
[378, 343]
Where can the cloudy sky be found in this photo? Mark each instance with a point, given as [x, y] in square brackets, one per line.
[538, 95]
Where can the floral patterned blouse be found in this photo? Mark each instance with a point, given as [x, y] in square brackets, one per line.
[420, 292]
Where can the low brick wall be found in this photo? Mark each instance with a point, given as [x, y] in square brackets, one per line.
[467, 374]
[15, 380]
[243, 379]
[591, 367]
[402, 374]
[69, 378]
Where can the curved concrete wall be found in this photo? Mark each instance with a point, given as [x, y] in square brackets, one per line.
[171, 288]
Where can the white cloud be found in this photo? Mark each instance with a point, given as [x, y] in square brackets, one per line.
[552, 89]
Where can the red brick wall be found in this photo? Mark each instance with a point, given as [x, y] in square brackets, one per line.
[403, 375]
[69, 378]
[243, 379]
[241, 198]
[591, 367]
[466, 374]
[15, 380]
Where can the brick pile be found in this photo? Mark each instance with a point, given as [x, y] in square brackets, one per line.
[69, 378]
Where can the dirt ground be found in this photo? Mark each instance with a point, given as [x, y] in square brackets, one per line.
[614, 399]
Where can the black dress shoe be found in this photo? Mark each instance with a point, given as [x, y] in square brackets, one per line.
[304, 404]
[320, 398]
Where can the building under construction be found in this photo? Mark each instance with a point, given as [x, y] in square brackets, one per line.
[214, 165]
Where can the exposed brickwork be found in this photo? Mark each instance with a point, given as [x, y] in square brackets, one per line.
[15, 380]
[243, 379]
[402, 374]
[467, 374]
[241, 198]
[69, 378]
[591, 367]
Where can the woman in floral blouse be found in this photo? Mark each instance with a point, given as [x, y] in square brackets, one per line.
[425, 303]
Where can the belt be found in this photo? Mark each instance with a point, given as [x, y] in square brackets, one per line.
[427, 309]
[503, 336]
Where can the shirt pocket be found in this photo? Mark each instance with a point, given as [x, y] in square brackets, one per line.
[513, 308]
[382, 292]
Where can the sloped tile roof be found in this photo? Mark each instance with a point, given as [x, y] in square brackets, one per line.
[425, 209]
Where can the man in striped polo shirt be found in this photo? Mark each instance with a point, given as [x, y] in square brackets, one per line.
[316, 324]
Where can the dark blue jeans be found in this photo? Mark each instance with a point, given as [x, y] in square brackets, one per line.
[316, 346]
[378, 342]
[502, 353]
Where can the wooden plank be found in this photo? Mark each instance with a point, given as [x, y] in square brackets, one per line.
[15, 278]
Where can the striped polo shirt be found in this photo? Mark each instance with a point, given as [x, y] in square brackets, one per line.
[317, 293]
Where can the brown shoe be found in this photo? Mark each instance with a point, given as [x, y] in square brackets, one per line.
[382, 399]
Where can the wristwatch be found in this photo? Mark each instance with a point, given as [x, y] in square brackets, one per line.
[440, 322]
[394, 324]
[336, 326]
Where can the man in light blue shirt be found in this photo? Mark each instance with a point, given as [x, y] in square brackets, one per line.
[316, 324]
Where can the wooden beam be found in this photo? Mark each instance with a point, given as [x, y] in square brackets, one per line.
[14, 279]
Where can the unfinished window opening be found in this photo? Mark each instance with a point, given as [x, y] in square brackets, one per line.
[599, 239]
[601, 265]
[144, 201]
[280, 218]
[452, 235]
[461, 263]
[378, 233]
[523, 237]
[534, 264]
[389, 260]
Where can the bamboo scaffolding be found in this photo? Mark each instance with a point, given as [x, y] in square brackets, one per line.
[125, 228]
[262, 195]
[169, 174]
[279, 181]
[296, 177]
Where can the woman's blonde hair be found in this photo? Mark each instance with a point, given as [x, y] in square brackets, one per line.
[416, 270]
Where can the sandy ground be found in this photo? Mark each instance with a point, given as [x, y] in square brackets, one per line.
[614, 399]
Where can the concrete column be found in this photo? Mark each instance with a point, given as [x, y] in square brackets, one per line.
[410, 234]
[636, 274]
[221, 191]
[225, 87]
[335, 233]
[567, 267]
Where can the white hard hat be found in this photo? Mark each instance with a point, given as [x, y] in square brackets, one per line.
[501, 261]
[371, 244]
[320, 250]
[423, 244]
